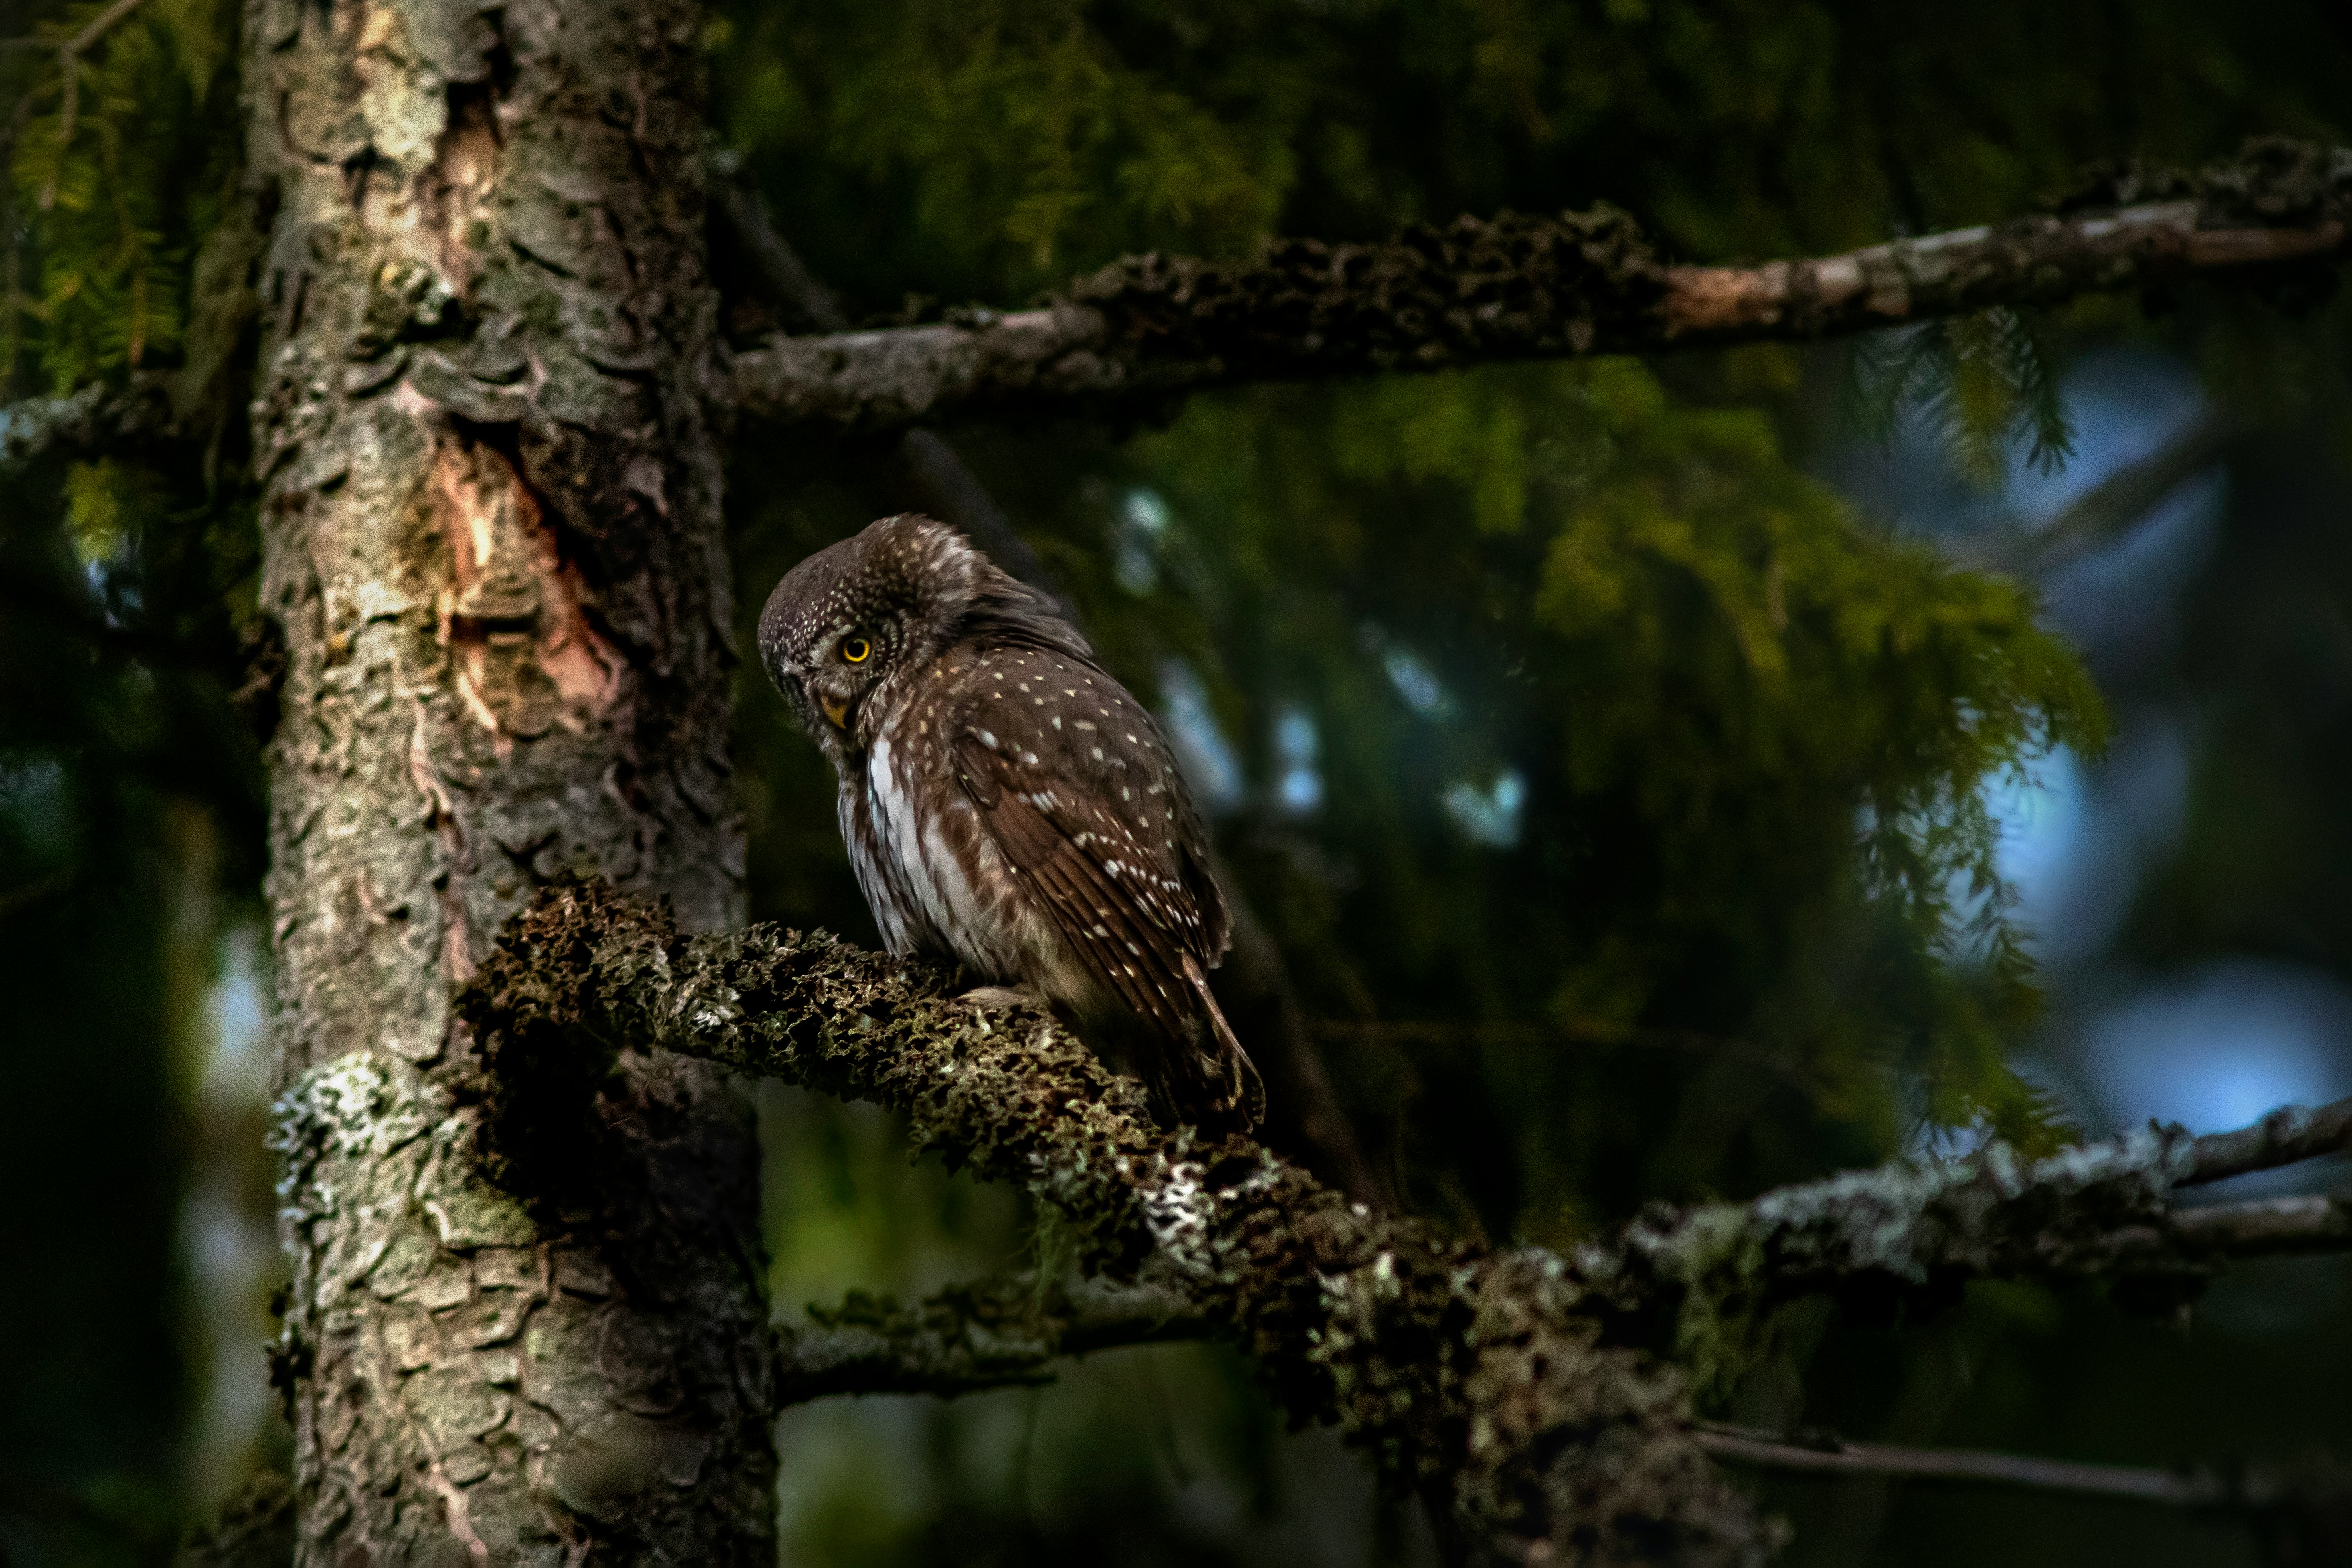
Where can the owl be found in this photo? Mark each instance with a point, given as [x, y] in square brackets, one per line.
[1007, 804]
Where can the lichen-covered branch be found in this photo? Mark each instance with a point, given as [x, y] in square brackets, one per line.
[1516, 1382]
[2287, 1136]
[1469, 1375]
[992, 1335]
[1924, 1228]
[1516, 287]
[967, 1338]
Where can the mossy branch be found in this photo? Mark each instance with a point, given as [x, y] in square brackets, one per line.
[1467, 1375]
[1520, 1384]
[1916, 1232]
[1153, 327]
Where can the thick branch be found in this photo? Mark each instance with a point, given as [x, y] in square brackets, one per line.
[1498, 1376]
[1532, 288]
[1472, 1374]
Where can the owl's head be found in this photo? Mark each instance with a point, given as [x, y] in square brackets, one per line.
[850, 620]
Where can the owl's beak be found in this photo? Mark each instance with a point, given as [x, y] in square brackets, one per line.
[835, 710]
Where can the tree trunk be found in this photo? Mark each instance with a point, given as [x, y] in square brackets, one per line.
[492, 544]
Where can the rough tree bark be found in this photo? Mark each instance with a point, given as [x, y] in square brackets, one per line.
[492, 542]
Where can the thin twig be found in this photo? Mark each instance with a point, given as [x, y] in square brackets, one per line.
[2120, 500]
[961, 498]
[2108, 509]
[781, 272]
[1830, 1455]
[1518, 1032]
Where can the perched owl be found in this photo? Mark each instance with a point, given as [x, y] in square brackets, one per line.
[1007, 804]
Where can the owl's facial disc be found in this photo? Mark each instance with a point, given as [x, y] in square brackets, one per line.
[847, 621]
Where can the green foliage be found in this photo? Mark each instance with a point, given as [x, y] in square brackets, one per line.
[1752, 892]
[1020, 142]
[1979, 378]
[988, 148]
[1756, 735]
[112, 186]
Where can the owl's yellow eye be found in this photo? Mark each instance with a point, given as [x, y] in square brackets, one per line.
[855, 649]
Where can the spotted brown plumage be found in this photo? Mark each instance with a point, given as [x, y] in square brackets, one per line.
[1007, 804]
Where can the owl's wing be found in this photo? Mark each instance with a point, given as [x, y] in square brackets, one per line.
[1129, 913]
[1132, 920]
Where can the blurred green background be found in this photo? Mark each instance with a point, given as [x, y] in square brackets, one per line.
[1663, 779]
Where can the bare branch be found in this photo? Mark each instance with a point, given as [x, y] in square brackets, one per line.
[1553, 1033]
[1152, 327]
[2108, 509]
[2300, 1510]
[2121, 499]
[39, 890]
[807, 302]
[1830, 1456]
[956, 496]
[2287, 1136]
[968, 1338]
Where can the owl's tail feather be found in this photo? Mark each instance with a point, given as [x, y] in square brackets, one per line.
[1233, 1092]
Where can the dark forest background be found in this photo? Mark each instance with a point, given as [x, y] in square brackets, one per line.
[1663, 779]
